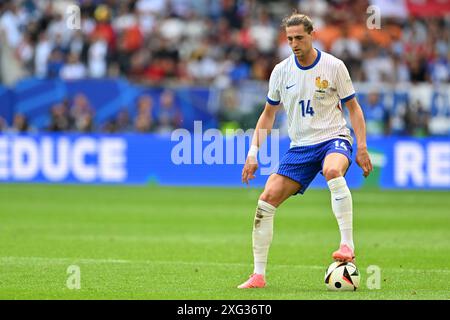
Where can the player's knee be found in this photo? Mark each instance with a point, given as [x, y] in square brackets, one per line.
[271, 196]
[331, 173]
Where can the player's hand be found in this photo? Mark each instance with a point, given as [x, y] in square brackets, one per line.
[250, 167]
[363, 160]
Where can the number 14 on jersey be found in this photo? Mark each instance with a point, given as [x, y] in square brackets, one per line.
[306, 109]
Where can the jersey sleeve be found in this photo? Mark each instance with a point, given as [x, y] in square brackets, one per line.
[344, 83]
[273, 96]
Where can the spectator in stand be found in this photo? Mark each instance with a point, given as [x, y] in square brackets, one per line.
[86, 124]
[349, 50]
[20, 124]
[109, 126]
[60, 119]
[401, 72]
[120, 124]
[11, 23]
[154, 7]
[168, 56]
[25, 52]
[439, 67]
[263, 33]
[230, 115]
[169, 115]
[55, 63]
[143, 121]
[3, 125]
[122, 55]
[73, 69]
[377, 116]
[82, 114]
[78, 45]
[103, 28]
[97, 54]
[418, 69]
[417, 120]
[42, 55]
[123, 122]
[378, 65]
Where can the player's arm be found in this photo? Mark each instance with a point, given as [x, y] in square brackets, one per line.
[359, 127]
[263, 128]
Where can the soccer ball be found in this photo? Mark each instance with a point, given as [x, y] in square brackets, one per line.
[342, 276]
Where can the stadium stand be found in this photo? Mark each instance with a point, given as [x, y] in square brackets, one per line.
[154, 65]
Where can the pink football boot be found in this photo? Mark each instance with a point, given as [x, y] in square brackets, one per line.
[255, 281]
[344, 254]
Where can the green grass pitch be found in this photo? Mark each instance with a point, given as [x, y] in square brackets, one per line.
[195, 243]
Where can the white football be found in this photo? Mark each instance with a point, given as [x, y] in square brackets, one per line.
[342, 276]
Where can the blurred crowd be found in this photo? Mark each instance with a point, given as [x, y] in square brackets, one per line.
[77, 115]
[164, 116]
[215, 41]
[218, 43]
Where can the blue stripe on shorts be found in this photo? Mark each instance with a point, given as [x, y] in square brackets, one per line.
[302, 164]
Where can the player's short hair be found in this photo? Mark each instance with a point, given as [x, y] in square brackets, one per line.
[298, 19]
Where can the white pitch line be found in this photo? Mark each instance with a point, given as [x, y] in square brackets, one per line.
[12, 260]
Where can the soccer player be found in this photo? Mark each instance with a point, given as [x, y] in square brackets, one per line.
[312, 87]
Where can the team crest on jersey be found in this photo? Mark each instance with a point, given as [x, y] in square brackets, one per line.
[321, 86]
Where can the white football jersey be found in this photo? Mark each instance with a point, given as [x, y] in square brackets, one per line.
[312, 97]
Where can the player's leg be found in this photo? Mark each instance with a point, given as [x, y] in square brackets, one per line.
[278, 188]
[334, 168]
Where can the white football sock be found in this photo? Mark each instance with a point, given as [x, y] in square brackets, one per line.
[341, 202]
[262, 235]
